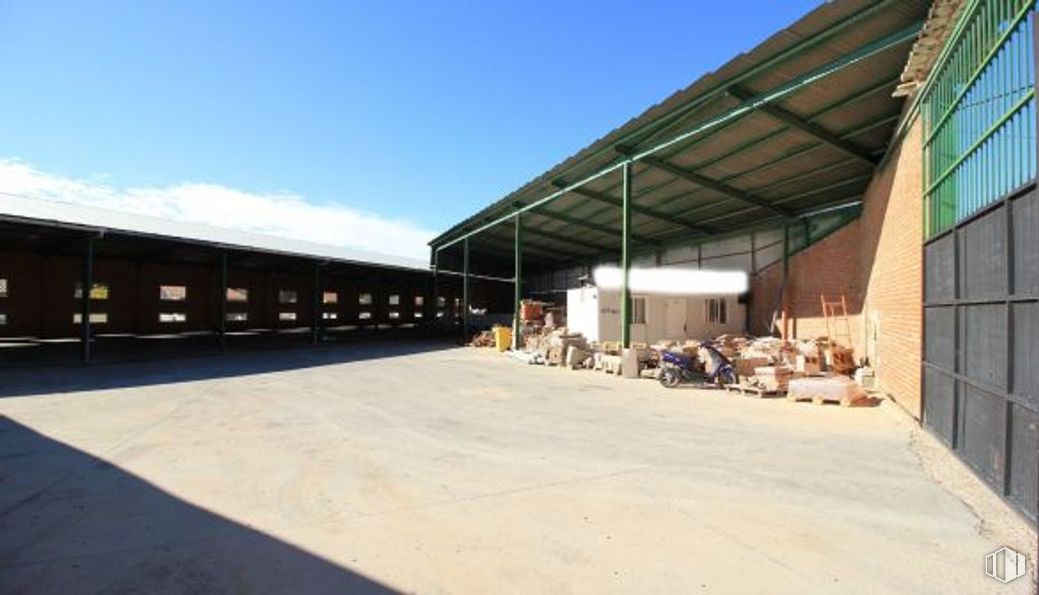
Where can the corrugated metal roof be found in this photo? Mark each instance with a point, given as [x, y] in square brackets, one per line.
[814, 147]
[56, 213]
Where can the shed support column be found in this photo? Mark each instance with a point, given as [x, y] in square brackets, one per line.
[465, 290]
[784, 289]
[84, 302]
[434, 319]
[315, 322]
[518, 284]
[626, 256]
[222, 302]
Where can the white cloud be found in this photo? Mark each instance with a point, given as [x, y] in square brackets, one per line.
[279, 214]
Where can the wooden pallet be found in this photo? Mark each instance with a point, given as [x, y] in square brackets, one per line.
[817, 400]
[753, 391]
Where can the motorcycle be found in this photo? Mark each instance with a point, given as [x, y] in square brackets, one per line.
[678, 368]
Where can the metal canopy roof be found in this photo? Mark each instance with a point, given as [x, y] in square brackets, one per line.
[795, 125]
[128, 226]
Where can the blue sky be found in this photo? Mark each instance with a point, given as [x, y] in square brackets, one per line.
[413, 112]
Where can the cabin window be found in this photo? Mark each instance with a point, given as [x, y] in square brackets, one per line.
[237, 316]
[3, 288]
[287, 296]
[395, 300]
[419, 301]
[717, 311]
[365, 316]
[237, 294]
[329, 297]
[638, 310]
[286, 316]
[364, 299]
[173, 317]
[329, 315]
[95, 318]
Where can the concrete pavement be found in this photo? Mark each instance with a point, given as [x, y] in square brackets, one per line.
[421, 469]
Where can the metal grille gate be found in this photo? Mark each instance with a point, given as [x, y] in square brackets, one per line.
[981, 344]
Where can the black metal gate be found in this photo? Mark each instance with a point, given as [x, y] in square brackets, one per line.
[981, 344]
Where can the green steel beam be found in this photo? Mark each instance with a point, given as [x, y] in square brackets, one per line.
[1008, 30]
[567, 239]
[642, 210]
[701, 180]
[858, 95]
[844, 136]
[883, 86]
[542, 247]
[851, 59]
[518, 283]
[809, 128]
[756, 102]
[767, 66]
[770, 64]
[465, 290]
[794, 154]
[502, 246]
[625, 294]
[606, 229]
[1020, 104]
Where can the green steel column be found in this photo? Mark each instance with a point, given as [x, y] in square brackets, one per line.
[222, 297]
[465, 290]
[518, 284]
[784, 296]
[84, 302]
[626, 256]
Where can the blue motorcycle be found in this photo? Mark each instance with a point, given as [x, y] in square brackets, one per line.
[678, 368]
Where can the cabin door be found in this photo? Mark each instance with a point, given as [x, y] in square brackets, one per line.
[674, 327]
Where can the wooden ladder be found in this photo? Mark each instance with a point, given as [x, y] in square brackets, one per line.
[836, 313]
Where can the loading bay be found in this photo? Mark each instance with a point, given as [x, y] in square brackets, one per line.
[336, 470]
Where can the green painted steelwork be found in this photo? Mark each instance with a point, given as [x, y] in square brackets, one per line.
[810, 129]
[625, 293]
[518, 284]
[465, 290]
[792, 52]
[719, 187]
[979, 113]
[785, 90]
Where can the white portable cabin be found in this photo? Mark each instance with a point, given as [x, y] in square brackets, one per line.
[595, 312]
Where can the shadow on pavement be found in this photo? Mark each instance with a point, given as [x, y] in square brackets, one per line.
[73, 523]
[40, 380]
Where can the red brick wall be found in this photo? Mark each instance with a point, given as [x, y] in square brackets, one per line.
[892, 268]
[829, 268]
[876, 263]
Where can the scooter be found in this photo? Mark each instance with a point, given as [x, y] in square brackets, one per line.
[678, 368]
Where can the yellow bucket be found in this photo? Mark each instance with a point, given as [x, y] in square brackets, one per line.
[502, 338]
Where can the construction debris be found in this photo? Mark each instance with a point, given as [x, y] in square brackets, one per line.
[813, 369]
[830, 389]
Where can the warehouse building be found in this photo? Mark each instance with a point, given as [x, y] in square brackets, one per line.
[877, 153]
[161, 287]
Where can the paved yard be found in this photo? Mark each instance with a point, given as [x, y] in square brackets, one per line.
[430, 470]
